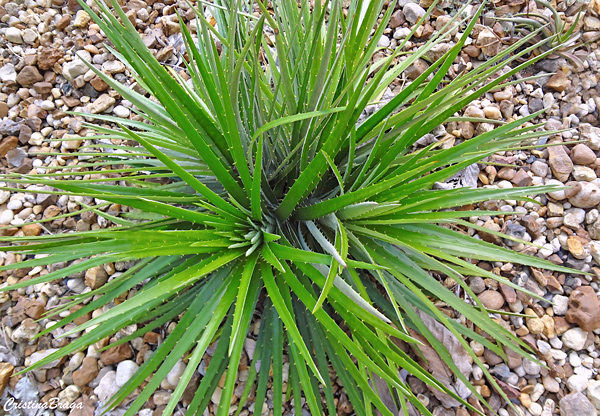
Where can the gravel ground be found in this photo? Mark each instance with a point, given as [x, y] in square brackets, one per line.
[41, 78]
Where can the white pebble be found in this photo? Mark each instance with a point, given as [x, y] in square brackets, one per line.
[14, 205]
[121, 111]
[6, 217]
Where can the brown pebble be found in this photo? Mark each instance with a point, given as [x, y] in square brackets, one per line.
[491, 299]
[116, 354]
[63, 22]
[87, 372]
[8, 143]
[584, 308]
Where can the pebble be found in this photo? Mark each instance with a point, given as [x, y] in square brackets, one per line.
[121, 111]
[491, 299]
[6, 216]
[115, 67]
[576, 404]
[583, 173]
[535, 409]
[384, 42]
[39, 355]
[577, 383]
[559, 81]
[593, 393]
[125, 370]
[175, 374]
[539, 168]
[550, 384]
[561, 304]
[73, 69]
[82, 18]
[559, 162]
[488, 42]
[548, 100]
[588, 195]
[584, 309]
[9, 74]
[492, 113]
[107, 387]
[101, 104]
[582, 155]
[14, 35]
[591, 135]
[413, 12]
[69, 395]
[87, 372]
[76, 361]
[557, 195]
[531, 368]
[574, 338]
[477, 284]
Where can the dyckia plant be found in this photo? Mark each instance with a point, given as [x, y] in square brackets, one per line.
[256, 192]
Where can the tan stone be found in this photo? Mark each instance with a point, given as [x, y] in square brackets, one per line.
[559, 81]
[548, 326]
[96, 277]
[560, 325]
[6, 370]
[31, 229]
[559, 162]
[52, 211]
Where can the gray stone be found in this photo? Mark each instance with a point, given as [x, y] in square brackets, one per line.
[539, 168]
[590, 134]
[413, 12]
[73, 69]
[531, 368]
[39, 355]
[107, 387]
[514, 230]
[8, 73]
[176, 373]
[9, 128]
[477, 284]
[16, 156]
[576, 404]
